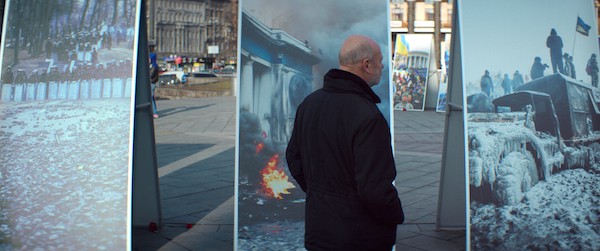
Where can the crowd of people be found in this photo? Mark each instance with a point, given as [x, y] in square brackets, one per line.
[75, 57]
[110, 70]
[78, 75]
[560, 62]
[409, 86]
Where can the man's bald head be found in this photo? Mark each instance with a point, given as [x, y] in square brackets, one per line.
[361, 56]
[357, 48]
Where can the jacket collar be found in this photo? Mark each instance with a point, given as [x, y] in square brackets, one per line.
[337, 80]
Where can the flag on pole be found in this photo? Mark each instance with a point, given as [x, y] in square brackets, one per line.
[401, 46]
[582, 27]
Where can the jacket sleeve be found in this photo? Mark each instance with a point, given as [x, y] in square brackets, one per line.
[375, 171]
[293, 157]
[153, 74]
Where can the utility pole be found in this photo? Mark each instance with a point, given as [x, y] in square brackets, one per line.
[214, 24]
[436, 33]
[411, 16]
[152, 22]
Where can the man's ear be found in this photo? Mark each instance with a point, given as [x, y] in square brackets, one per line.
[366, 65]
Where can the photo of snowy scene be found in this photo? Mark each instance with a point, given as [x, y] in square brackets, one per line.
[442, 99]
[445, 63]
[533, 124]
[66, 124]
[286, 50]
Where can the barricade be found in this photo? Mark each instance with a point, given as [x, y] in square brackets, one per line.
[71, 90]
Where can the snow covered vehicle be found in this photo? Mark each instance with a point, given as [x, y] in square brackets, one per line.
[547, 125]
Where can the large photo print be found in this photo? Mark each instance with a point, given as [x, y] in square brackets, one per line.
[411, 67]
[286, 49]
[533, 124]
[66, 124]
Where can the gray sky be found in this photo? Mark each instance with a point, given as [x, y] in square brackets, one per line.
[418, 42]
[325, 24]
[506, 35]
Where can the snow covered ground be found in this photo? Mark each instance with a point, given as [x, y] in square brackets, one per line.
[518, 205]
[284, 235]
[560, 213]
[64, 174]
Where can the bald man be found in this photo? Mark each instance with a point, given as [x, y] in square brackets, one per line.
[340, 154]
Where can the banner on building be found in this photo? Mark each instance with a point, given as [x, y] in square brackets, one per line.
[66, 105]
[285, 50]
[532, 124]
[410, 70]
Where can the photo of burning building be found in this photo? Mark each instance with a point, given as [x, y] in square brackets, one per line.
[66, 124]
[533, 125]
[284, 54]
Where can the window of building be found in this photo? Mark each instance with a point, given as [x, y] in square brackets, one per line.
[397, 14]
[429, 14]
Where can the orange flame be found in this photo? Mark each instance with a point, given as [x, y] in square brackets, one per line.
[274, 180]
[259, 147]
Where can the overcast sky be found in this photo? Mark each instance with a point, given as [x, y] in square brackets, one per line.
[417, 42]
[325, 24]
[506, 35]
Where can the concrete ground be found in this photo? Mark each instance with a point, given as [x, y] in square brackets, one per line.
[195, 144]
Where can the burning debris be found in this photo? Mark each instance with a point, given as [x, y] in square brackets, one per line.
[265, 193]
[274, 180]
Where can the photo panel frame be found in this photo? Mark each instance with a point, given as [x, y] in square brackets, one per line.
[284, 54]
[66, 127]
[530, 145]
[412, 55]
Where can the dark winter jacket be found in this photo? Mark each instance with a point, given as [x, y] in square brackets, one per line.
[487, 85]
[537, 69]
[340, 154]
[153, 69]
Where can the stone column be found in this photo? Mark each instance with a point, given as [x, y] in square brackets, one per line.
[247, 84]
[437, 12]
[411, 16]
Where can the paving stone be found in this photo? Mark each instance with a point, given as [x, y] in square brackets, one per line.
[195, 146]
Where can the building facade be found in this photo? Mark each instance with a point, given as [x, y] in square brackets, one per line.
[276, 75]
[196, 30]
[422, 17]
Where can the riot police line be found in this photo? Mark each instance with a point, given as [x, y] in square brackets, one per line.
[90, 82]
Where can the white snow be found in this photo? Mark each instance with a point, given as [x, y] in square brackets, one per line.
[517, 173]
[546, 209]
[499, 149]
[64, 173]
[560, 213]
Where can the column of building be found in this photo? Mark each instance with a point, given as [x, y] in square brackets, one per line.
[247, 83]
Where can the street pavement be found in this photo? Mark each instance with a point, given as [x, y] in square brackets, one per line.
[195, 145]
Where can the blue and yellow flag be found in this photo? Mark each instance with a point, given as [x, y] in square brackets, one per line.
[582, 27]
[401, 46]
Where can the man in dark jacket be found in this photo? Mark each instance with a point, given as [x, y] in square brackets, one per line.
[153, 81]
[554, 42]
[486, 83]
[537, 69]
[340, 154]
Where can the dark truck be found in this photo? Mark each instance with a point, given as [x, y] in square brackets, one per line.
[547, 125]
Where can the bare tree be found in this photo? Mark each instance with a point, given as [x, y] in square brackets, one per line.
[83, 15]
[115, 12]
[95, 14]
[16, 28]
[69, 13]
